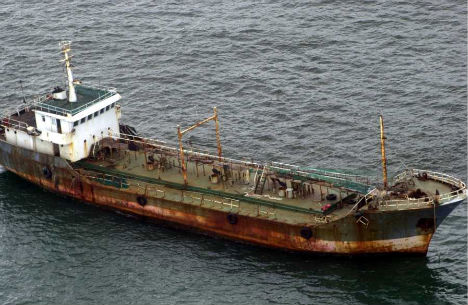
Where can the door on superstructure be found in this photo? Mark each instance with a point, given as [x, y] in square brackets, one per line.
[56, 150]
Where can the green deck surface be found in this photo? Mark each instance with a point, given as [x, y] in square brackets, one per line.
[322, 176]
[105, 170]
[86, 96]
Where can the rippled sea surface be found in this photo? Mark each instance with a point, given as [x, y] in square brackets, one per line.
[299, 82]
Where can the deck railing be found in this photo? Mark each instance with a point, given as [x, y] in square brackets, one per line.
[433, 175]
[333, 174]
[230, 204]
[362, 201]
[421, 202]
[190, 197]
[460, 192]
[8, 122]
[40, 102]
[192, 152]
[406, 203]
[342, 179]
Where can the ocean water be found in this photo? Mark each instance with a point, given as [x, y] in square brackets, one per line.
[299, 82]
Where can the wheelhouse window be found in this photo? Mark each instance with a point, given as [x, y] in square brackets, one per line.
[108, 107]
[83, 120]
[76, 123]
[90, 117]
[96, 113]
[102, 111]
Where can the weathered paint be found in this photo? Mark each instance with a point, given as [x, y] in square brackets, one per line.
[387, 232]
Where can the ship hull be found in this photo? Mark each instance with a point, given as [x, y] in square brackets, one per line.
[386, 232]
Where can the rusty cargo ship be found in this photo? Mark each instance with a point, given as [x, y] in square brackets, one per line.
[72, 143]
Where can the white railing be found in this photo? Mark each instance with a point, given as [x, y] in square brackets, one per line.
[430, 174]
[407, 202]
[344, 176]
[421, 202]
[191, 152]
[339, 177]
[364, 198]
[427, 201]
[39, 102]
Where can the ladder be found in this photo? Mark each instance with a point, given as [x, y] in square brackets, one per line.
[260, 183]
[363, 220]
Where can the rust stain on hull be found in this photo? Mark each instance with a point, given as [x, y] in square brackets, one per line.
[333, 238]
[247, 229]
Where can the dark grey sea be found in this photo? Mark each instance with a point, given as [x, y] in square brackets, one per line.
[299, 82]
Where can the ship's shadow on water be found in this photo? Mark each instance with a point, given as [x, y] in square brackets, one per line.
[382, 279]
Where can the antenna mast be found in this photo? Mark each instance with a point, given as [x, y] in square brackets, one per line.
[66, 46]
[382, 148]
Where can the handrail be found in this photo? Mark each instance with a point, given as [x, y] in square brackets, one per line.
[439, 176]
[320, 171]
[365, 197]
[8, 122]
[63, 111]
[39, 101]
[183, 187]
[186, 151]
[250, 164]
[129, 137]
[424, 201]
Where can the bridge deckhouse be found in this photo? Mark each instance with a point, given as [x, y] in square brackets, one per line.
[66, 123]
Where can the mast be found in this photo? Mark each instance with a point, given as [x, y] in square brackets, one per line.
[382, 148]
[218, 138]
[65, 46]
[180, 133]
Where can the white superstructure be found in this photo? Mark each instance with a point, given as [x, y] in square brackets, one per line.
[66, 128]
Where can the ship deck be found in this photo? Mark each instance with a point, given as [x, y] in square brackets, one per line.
[303, 206]
[21, 119]
[239, 182]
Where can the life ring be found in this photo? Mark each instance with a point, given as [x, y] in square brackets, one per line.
[46, 172]
[142, 200]
[331, 197]
[232, 218]
[306, 232]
